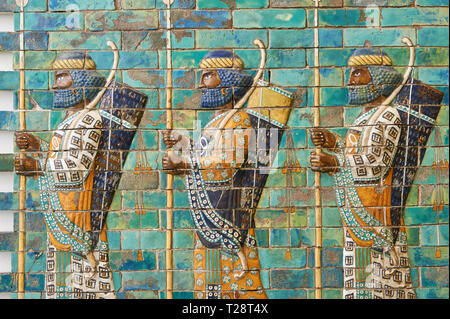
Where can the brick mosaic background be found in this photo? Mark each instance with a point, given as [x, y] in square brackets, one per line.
[285, 219]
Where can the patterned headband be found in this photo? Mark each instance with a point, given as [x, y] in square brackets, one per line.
[221, 60]
[74, 60]
[369, 56]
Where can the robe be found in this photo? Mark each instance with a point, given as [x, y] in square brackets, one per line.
[364, 189]
[225, 184]
[66, 192]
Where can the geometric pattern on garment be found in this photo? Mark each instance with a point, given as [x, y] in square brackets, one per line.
[72, 160]
[70, 277]
[372, 274]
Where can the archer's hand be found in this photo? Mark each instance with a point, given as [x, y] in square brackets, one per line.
[27, 142]
[27, 166]
[323, 138]
[172, 137]
[323, 162]
[174, 164]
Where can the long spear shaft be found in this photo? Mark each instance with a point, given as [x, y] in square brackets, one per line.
[22, 179]
[318, 204]
[169, 126]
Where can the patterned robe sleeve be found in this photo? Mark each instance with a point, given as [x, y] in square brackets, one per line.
[231, 152]
[71, 167]
[372, 161]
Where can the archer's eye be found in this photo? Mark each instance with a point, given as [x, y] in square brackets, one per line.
[357, 73]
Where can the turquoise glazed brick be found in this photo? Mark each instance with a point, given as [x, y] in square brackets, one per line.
[52, 21]
[418, 16]
[234, 4]
[277, 258]
[430, 3]
[9, 80]
[292, 278]
[83, 40]
[330, 38]
[61, 5]
[278, 237]
[229, 38]
[126, 260]
[183, 280]
[9, 41]
[123, 20]
[269, 18]
[349, 17]
[287, 294]
[177, 4]
[291, 38]
[138, 4]
[434, 277]
[183, 239]
[152, 239]
[387, 37]
[148, 280]
[183, 259]
[198, 19]
[36, 40]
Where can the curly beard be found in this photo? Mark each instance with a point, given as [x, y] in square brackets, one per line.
[86, 85]
[362, 94]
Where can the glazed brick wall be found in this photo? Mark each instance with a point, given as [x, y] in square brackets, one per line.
[286, 27]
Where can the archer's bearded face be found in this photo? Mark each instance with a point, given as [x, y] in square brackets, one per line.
[213, 94]
[72, 87]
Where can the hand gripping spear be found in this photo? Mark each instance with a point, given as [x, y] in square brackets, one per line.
[22, 178]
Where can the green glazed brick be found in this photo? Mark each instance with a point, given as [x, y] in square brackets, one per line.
[126, 260]
[209, 39]
[292, 278]
[304, 3]
[83, 40]
[122, 20]
[231, 4]
[433, 36]
[62, 5]
[278, 258]
[183, 239]
[333, 96]
[137, 4]
[145, 78]
[432, 3]
[183, 259]
[365, 3]
[9, 80]
[177, 4]
[183, 280]
[434, 277]
[146, 280]
[432, 293]
[426, 256]
[434, 76]
[9, 41]
[6, 162]
[51, 21]
[367, 17]
[291, 38]
[190, 19]
[293, 77]
[414, 16]
[269, 18]
[276, 58]
[128, 59]
[354, 37]
[151, 240]
[183, 39]
[36, 80]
